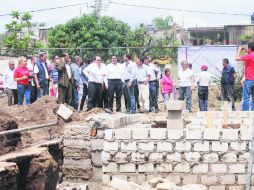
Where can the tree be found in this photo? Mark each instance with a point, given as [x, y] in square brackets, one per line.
[18, 39]
[86, 32]
[161, 23]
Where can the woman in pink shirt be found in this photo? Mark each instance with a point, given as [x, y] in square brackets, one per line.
[166, 86]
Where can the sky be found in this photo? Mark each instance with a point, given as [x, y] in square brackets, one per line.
[134, 15]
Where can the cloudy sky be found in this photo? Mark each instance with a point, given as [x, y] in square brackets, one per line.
[135, 15]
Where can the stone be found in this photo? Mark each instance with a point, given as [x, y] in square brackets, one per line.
[164, 167]
[227, 179]
[235, 187]
[110, 146]
[219, 146]
[236, 168]
[175, 134]
[73, 131]
[209, 179]
[210, 158]
[194, 134]
[238, 146]
[123, 133]
[96, 158]
[211, 134]
[154, 181]
[229, 157]
[96, 144]
[173, 157]
[200, 168]
[192, 156]
[149, 146]
[217, 187]
[64, 112]
[157, 133]
[201, 147]
[140, 133]
[77, 143]
[137, 157]
[183, 146]
[148, 167]
[230, 134]
[108, 134]
[174, 178]
[183, 167]
[139, 179]
[118, 183]
[193, 187]
[156, 157]
[244, 157]
[128, 146]
[111, 167]
[188, 179]
[166, 186]
[121, 157]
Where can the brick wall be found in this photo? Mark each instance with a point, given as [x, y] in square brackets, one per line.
[214, 157]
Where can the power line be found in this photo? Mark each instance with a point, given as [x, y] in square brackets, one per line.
[47, 9]
[181, 10]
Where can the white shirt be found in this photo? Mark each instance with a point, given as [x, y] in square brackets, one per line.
[8, 80]
[129, 71]
[30, 66]
[115, 71]
[142, 73]
[204, 78]
[96, 73]
[68, 69]
[36, 70]
[153, 69]
[185, 77]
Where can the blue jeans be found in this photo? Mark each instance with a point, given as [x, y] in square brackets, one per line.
[248, 89]
[44, 89]
[23, 90]
[166, 98]
[75, 98]
[153, 101]
[130, 96]
[185, 92]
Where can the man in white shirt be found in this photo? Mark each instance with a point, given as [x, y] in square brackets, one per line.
[186, 84]
[130, 80]
[143, 77]
[10, 85]
[203, 81]
[153, 85]
[96, 73]
[41, 75]
[115, 75]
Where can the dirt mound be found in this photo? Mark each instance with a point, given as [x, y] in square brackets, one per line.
[84, 114]
[40, 112]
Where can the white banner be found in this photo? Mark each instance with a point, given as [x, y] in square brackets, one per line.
[211, 56]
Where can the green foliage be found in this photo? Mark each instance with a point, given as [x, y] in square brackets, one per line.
[245, 38]
[161, 23]
[18, 39]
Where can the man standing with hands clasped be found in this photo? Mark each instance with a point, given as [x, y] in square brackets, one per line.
[248, 87]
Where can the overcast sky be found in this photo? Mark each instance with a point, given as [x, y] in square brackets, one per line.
[135, 15]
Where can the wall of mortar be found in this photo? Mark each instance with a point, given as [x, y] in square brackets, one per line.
[214, 157]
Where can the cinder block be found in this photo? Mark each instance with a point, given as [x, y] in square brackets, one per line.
[229, 157]
[77, 163]
[230, 134]
[121, 157]
[139, 179]
[244, 157]
[111, 167]
[175, 123]
[77, 143]
[235, 187]
[96, 144]
[248, 121]
[192, 157]
[128, 146]
[140, 133]
[96, 158]
[157, 133]
[183, 167]
[236, 169]
[200, 168]
[105, 157]
[108, 134]
[242, 179]
[209, 180]
[175, 134]
[245, 134]
[156, 157]
[211, 134]
[105, 179]
[201, 147]
[194, 134]
[221, 187]
[64, 112]
[110, 146]
[163, 167]
[77, 131]
[219, 146]
[123, 133]
[148, 167]
[238, 146]
[190, 179]
[127, 168]
[210, 158]
[183, 146]
[138, 157]
[149, 146]
[164, 147]
[175, 105]
[227, 179]
[219, 168]
[173, 157]
[174, 178]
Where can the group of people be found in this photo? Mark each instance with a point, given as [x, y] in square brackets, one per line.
[139, 82]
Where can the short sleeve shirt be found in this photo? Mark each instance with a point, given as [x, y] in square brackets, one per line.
[185, 77]
[20, 72]
[249, 66]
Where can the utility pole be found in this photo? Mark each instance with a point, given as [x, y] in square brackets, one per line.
[98, 7]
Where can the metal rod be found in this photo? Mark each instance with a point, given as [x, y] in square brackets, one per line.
[249, 175]
[27, 129]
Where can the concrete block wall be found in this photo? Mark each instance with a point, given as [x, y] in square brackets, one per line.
[218, 118]
[214, 157]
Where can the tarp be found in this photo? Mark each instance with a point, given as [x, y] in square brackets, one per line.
[211, 56]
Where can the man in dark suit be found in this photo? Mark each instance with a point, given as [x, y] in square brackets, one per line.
[65, 80]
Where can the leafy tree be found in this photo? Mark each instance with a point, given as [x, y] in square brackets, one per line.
[161, 23]
[18, 40]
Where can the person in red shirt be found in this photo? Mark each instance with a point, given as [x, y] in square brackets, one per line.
[21, 75]
[248, 86]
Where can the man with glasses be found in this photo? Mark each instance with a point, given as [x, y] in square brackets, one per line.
[96, 73]
[115, 74]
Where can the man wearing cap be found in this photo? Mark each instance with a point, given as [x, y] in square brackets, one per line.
[203, 81]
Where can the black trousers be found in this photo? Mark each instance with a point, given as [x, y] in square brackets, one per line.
[227, 92]
[83, 99]
[136, 94]
[104, 98]
[33, 97]
[203, 98]
[115, 88]
[94, 95]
